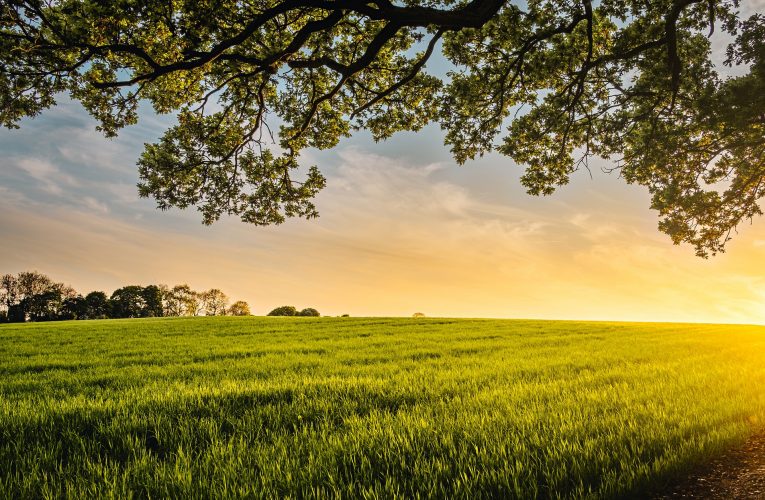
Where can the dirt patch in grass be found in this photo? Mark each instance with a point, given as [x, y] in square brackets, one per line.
[738, 474]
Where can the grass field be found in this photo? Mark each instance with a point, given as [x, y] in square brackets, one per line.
[263, 407]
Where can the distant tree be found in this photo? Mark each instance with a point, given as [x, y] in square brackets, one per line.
[284, 311]
[175, 300]
[181, 300]
[127, 302]
[34, 296]
[74, 308]
[345, 316]
[44, 306]
[239, 308]
[48, 304]
[97, 305]
[418, 315]
[153, 302]
[165, 291]
[67, 292]
[33, 283]
[16, 314]
[214, 302]
[17, 293]
[9, 291]
[309, 311]
[194, 304]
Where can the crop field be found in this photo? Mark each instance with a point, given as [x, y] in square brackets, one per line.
[365, 407]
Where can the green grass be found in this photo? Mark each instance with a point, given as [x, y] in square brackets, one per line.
[263, 407]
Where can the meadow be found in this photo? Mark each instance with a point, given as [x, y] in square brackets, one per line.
[369, 408]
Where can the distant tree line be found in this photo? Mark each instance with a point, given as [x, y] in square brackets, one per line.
[292, 311]
[32, 296]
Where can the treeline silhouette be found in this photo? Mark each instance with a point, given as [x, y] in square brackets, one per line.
[292, 311]
[32, 296]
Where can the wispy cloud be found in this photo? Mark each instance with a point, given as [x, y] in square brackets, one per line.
[49, 177]
[95, 205]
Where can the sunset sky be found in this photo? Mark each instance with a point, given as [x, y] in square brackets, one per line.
[402, 229]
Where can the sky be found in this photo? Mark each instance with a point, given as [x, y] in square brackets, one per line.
[403, 229]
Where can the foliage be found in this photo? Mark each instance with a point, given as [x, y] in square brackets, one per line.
[274, 407]
[18, 294]
[98, 305]
[178, 300]
[16, 313]
[309, 311]
[35, 297]
[181, 300]
[548, 83]
[239, 308]
[44, 306]
[128, 302]
[74, 308]
[284, 311]
[418, 315]
[8, 290]
[214, 302]
[153, 297]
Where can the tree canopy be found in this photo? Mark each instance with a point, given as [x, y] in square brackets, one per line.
[309, 311]
[239, 308]
[549, 83]
[36, 297]
[284, 311]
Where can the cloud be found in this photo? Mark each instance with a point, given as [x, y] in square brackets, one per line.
[379, 188]
[12, 198]
[49, 177]
[95, 205]
[749, 7]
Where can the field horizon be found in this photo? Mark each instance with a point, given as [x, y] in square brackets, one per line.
[394, 317]
[370, 407]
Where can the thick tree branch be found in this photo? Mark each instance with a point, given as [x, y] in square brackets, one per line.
[408, 78]
[674, 62]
